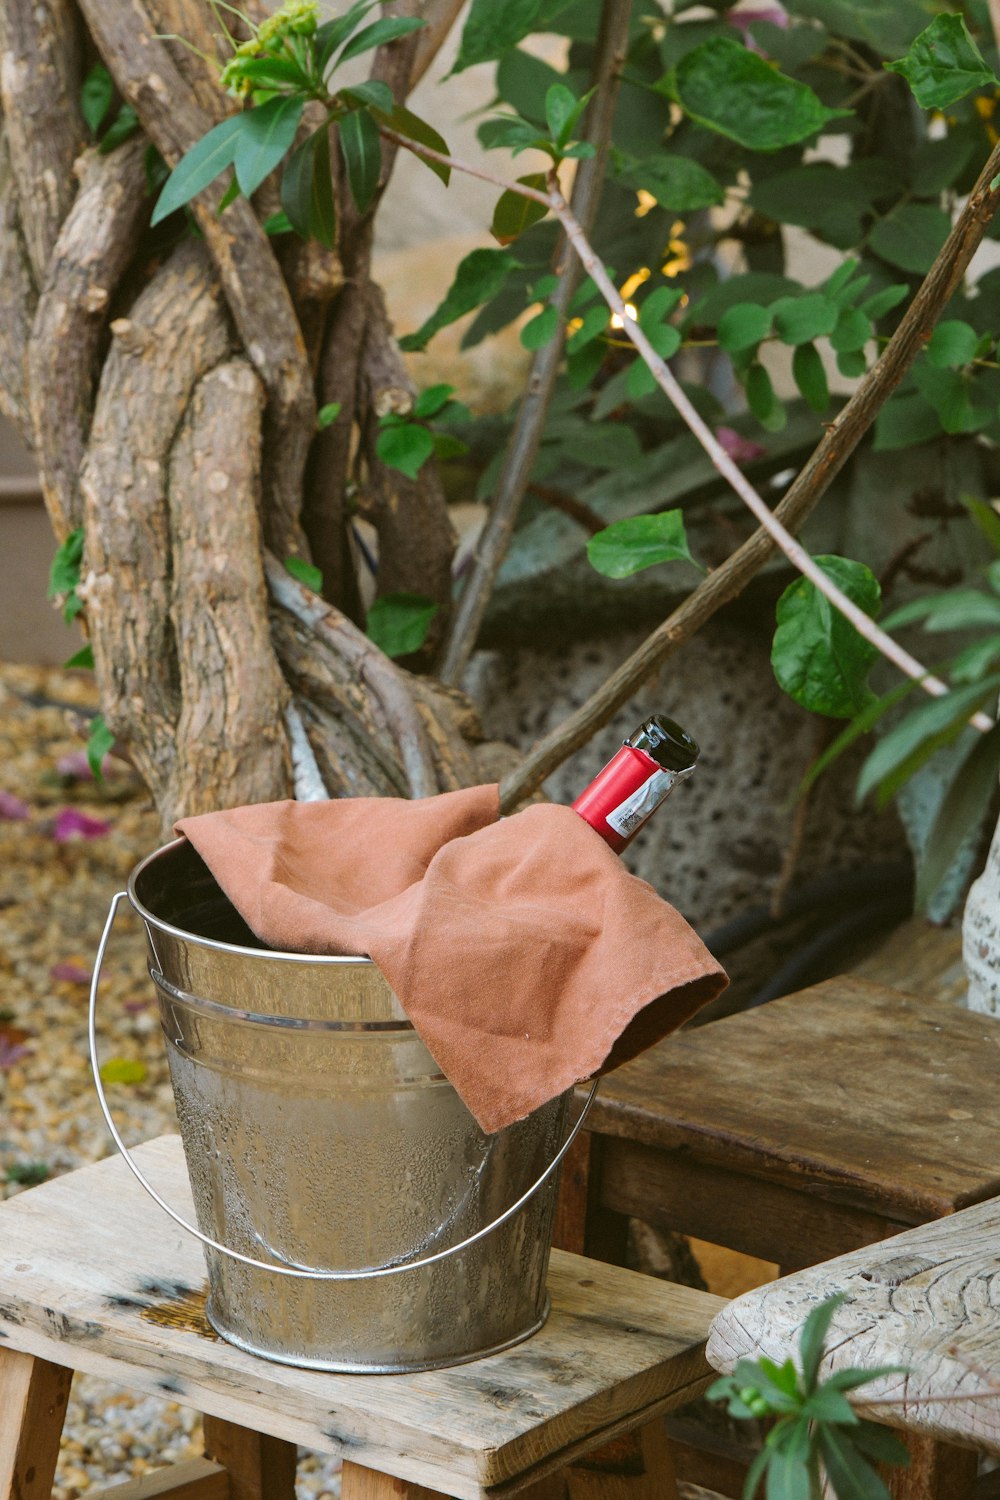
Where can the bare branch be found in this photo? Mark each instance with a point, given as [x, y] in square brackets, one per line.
[94, 248]
[440, 16]
[522, 448]
[231, 743]
[18, 299]
[40, 91]
[385, 680]
[309, 783]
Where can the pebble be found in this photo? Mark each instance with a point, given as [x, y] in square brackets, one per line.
[54, 899]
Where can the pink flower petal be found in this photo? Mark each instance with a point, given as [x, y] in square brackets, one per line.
[134, 1007]
[745, 16]
[75, 766]
[70, 972]
[742, 450]
[12, 1052]
[72, 823]
[12, 809]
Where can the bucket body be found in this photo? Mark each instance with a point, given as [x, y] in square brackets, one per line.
[319, 1133]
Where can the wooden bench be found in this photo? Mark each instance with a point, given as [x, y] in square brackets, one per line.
[819, 1123]
[928, 1299]
[94, 1277]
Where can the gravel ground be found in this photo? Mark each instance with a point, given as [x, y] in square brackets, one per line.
[67, 844]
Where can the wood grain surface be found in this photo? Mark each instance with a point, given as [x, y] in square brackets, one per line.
[928, 1300]
[853, 1092]
[93, 1275]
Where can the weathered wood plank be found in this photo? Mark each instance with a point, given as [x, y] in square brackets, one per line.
[919, 959]
[928, 1300]
[618, 1347]
[898, 1121]
[33, 1396]
[257, 1466]
[192, 1479]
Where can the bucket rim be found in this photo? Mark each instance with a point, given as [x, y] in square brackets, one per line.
[151, 919]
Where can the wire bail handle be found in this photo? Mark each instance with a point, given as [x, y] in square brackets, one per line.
[304, 1274]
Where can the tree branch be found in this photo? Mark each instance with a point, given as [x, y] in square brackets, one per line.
[98, 239]
[383, 678]
[18, 300]
[231, 740]
[522, 448]
[40, 95]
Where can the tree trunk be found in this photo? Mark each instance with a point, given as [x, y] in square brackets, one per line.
[169, 390]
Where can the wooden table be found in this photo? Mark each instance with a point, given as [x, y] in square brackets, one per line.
[94, 1277]
[821, 1122]
[928, 1299]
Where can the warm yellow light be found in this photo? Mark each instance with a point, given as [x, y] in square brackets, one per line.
[631, 312]
[645, 201]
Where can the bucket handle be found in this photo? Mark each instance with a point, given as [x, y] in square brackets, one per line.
[262, 1265]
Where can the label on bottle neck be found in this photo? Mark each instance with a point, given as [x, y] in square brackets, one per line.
[633, 812]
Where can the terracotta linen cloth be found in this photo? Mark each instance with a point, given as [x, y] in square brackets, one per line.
[522, 950]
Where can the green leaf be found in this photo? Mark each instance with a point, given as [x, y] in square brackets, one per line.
[755, 1473]
[594, 322]
[640, 381]
[361, 148]
[124, 125]
[827, 1404]
[985, 517]
[406, 447]
[541, 329]
[379, 33]
[278, 223]
[398, 623]
[678, 183]
[657, 306]
[789, 1477]
[515, 213]
[731, 90]
[853, 1379]
[953, 343]
[493, 26]
[272, 72]
[928, 726]
[478, 278]
[265, 135]
[200, 166]
[858, 726]
[305, 572]
[405, 122]
[960, 813]
[797, 320]
[639, 542]
[331, 34]
[743, 326]
[954, 609]
[82, 659]
[819, 658]
[975, 661]
[951, 394]
[448, 446]
[64, 573]
[374, 94]
[307, 189]
[904, 422]
[810, 376]
[123, 1070]
[229, 196]
[431, 401]
[848, 1471]
[851, 363]
[99, 742]
[884, 301]
[879, 1443]
[817, 1325]
[762, 401]
[943, 64]
[562, 111]
[96, 94]
[910, 236]
[851, 331]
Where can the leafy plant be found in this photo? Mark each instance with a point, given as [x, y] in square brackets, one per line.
[813, 1428]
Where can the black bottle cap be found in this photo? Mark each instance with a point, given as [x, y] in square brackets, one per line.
[669, 745]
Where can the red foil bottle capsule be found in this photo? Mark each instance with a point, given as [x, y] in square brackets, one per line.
[651, 762]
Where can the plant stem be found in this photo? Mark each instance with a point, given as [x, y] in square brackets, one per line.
[522, 448]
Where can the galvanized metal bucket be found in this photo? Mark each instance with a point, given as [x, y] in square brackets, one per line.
[354, 1215]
